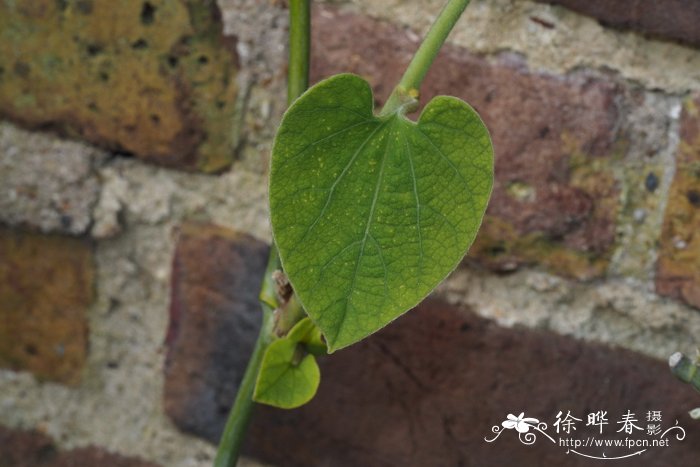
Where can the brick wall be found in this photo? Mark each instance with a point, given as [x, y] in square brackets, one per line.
[134, 145]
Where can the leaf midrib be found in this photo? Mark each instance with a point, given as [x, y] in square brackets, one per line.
[380, 176]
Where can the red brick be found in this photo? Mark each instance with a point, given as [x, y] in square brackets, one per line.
[678, 268]
[555, 200]
[33, 449]
[46, 287]
[214, 321]
[669, 19]
[157, 83]
[427, 389]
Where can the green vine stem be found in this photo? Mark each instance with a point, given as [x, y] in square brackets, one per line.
[239, 418]
[241, 412]
[406, 92]
[299, 48]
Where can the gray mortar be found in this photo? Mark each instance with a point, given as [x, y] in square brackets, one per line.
[47, 183]
[619, 312]
[138, 209]
[261, 32]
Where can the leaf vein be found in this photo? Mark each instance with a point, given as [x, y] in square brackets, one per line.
[415, 193]
[364, 239]
[454, 167]
[381, 258]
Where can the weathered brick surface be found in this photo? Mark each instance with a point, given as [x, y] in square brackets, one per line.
[153, 78]
[670, 19]
[427, 389]
[46, 287]
[555, 200]
[678, 271]
[214, 321]
[33, 449]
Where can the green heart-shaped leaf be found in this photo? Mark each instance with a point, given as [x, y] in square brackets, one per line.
[288, 377]
[370, 213]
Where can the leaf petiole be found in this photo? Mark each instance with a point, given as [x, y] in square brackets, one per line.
[408, 88]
